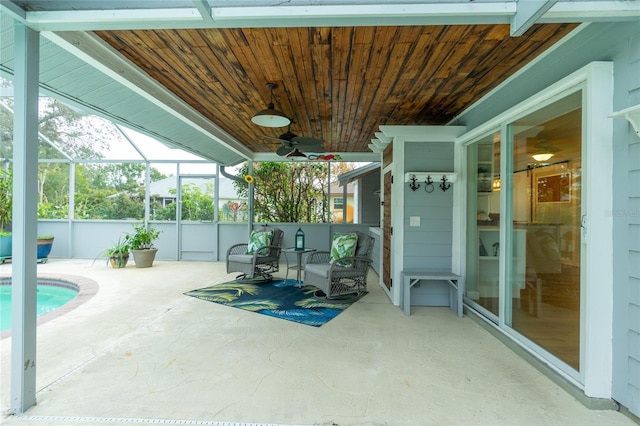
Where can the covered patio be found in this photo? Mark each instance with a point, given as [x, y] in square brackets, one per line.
[419, 88]
[141, 352]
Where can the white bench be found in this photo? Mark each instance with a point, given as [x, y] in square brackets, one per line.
[411, 277]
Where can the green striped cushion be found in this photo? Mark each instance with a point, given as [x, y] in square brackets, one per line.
[343, 245]
[259, 239]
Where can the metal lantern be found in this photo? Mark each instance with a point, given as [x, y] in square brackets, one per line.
[299, 239]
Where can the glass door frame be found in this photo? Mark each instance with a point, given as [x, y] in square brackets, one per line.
[596, 83]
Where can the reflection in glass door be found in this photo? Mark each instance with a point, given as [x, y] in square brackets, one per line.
[545, 233]
[482, 288]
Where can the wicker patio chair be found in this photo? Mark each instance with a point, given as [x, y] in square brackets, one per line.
[335, 280]
[263, 262]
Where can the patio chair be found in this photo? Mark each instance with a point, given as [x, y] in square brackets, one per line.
[337, 276]
[259, 257]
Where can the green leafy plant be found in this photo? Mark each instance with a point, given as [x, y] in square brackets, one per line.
[6, 205]
[120, 248]
[142, 237]
[119, 252]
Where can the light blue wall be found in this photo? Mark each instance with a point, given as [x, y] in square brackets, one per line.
[370, 201]
[626, 218]
[88, 239]
[428, 246]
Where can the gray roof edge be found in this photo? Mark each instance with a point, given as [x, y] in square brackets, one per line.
[358, 173]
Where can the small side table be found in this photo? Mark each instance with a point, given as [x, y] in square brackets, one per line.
[298, 265]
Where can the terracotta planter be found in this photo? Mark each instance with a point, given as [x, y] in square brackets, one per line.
[144, 258]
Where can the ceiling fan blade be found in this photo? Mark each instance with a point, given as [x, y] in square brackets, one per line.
[311, 147]
[284, 141]
[284, 150]
[305, 140]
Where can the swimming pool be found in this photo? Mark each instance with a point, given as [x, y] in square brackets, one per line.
[51, 294]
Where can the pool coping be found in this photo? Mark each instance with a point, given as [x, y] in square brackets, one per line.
[87, 289]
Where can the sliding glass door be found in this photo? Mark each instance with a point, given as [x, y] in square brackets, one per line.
[523, 228]
[545, 231]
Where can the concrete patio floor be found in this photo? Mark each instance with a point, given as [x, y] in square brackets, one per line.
[140, 352]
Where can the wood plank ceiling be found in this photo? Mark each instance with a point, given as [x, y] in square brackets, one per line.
[338, 84]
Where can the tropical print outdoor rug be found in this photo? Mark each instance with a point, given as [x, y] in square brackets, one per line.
[277, 298]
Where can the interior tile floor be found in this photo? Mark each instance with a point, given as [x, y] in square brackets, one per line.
[140, 352]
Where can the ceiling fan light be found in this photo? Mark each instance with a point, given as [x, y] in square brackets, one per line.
[543, 156]
[271, 117]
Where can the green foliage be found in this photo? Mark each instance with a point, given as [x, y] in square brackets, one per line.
[288, 192]
[167, 212]
[196, 204]
[77, 135]
[6, 199]
[118, 252]
[233, 211]
[115, 191]
[142, 237]
[112, 191]
[120, 248]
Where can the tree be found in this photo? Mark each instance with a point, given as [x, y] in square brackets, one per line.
[111, 191]
[61, 129]
[196, 204]
[288, 192]
[6, 199]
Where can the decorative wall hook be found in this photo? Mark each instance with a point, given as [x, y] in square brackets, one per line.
[412, 183]
[444, 185]
[428, 185]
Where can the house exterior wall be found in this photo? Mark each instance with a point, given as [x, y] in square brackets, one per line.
[336, 214]
[626, 228]
[618, 43]
[428, 245]
[369, 200]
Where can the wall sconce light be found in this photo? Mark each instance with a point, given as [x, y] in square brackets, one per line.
[496, 184]
[445, 178]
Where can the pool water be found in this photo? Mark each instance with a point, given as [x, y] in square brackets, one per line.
[50, 296]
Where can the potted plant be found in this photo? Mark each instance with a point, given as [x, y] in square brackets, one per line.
[118, 254]
[45, 242]
[141, 244]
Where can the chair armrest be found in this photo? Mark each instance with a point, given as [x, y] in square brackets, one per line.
[266, 250]
[318, 257]
[358, 262]
[237, 249]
